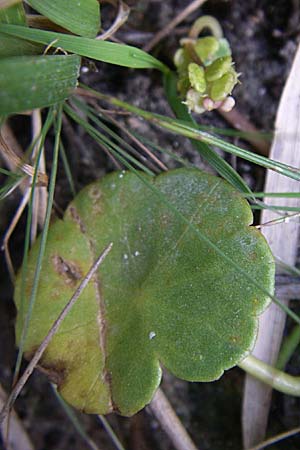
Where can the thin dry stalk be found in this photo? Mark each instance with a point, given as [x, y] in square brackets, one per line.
[275, 439]
[40, 194]
[41, 349]
[121, 18]
[170, 423]
[236, 119]
[15, 436]
[171, 25]
[10, 230]
[143, 147]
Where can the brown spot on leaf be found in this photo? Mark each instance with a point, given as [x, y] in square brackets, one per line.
[56, 372]
[108, 379]
[95, 195]
[75, 216]
[69, 271]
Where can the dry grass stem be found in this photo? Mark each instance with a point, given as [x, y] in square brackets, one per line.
[275, 439]
[143, 147]
[171, 25]
[121, 18]
[236, 119]
[170, 423]
[10, 230]
[40, 194]
[15, 162]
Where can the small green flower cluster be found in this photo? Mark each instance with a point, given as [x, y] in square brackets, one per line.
[206, 74]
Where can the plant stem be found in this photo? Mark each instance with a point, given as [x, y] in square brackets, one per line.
[169, 421]
[206, 22]
[275, 378]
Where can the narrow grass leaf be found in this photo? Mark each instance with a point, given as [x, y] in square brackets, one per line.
[12, 46]
[109, 52]
[14, 14]
[189, 130]
[104, 141]
[79, 17]
[68, 171]
[48, 122]
[44, 235]
[74, 420]
[29, 82]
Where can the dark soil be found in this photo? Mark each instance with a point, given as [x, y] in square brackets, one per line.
[263, 35]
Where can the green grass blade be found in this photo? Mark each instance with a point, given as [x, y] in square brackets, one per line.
[187, 129]
[111, 433]
[92, 114]
[109, 52]
[74, 420]
[68, 172]
[29, 82]
[275, 194]
[104, 141]
[12, 46]
[215, 160]
[276, 207]
[10, 184]
[14, 14]
[290, 344]
[45, 130]
[81, 18]
[184, 162]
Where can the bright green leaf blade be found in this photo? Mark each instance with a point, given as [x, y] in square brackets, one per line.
[79, 17]
[29, 82]
[12, 46]
[119, 54]
[161, 296]
[14, 14]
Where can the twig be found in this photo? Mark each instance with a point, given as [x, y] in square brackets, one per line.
[10, 230]
[169, 27]
[240, 122]
[111, 433]
[41, 349]
[15, 162]
[275, 439]
[17, 438]
[170, 423]
[121, 18]
[139, 143]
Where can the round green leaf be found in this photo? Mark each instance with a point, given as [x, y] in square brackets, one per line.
[163, 295]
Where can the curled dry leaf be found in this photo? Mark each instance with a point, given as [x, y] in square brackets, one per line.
[163, 296]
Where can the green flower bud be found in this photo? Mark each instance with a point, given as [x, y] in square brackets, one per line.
[197, 77]
[205, 48]
[194, 101]
[181, 59]
[223, 86]
[206, 76]
[183, 84]
[218, 68]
